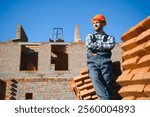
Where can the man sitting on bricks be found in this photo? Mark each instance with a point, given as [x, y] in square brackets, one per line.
[99, 45]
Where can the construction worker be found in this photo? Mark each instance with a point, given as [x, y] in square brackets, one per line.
[99, 45]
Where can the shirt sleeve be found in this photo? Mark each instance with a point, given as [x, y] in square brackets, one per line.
[103, 42]
[109, 43]
[90, 44]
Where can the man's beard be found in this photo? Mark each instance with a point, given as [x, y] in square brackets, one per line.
[98, 29]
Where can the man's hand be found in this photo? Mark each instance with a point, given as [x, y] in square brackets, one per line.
[94, 43]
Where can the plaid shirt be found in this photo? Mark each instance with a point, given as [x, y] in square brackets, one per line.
[100, 42]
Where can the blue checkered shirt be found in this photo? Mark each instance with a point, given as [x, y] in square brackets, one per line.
[100, 42]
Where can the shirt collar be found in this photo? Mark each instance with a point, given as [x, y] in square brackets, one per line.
[95, 33]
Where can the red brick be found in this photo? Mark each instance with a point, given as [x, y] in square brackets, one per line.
[84, 71]
[133, 32]
[147, 90]
[89, 97]
[142, 78]
[146, 23]
[142, 98]
[125, 72]
[129, 76]
[87, 81]
[140, 70]
[132, 90]
[79, 97]
[87, 92]
[128, 35]
[137, 29]
[144, 61]
[130, 63]
[147, 46]
[129, 44]
[86, 86]
[79, 83]
[95, 97]
[126, 55]
[129, 98]
[124, 79]
[143, 37]
[138, 51]
[72, 84]
[82, 77]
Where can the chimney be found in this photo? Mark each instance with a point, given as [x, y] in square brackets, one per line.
[21, 34]
[77, 37]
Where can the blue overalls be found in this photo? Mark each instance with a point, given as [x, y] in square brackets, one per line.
[100, 71]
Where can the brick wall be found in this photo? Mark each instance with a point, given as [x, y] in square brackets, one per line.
[45, 89]
[10, 68]
[44, 58]
[135, 79]
[9, 58]
[77, 58]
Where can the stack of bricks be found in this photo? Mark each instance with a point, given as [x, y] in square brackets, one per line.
[82, 87]
[135, 79]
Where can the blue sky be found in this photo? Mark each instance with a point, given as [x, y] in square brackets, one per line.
[39, 17]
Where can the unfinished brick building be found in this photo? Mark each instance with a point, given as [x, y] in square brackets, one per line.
[42, 70]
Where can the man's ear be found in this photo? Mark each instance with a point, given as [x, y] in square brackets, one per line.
[104, 23]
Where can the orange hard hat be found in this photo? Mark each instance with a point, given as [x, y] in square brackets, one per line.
[99, 17]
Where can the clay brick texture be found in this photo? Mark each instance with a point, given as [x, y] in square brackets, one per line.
[38, 89]
[82, 87]
[135, 78]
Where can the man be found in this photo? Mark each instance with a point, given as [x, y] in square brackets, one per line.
[99, 47]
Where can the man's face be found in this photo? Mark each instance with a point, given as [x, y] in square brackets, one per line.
[97, 25]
